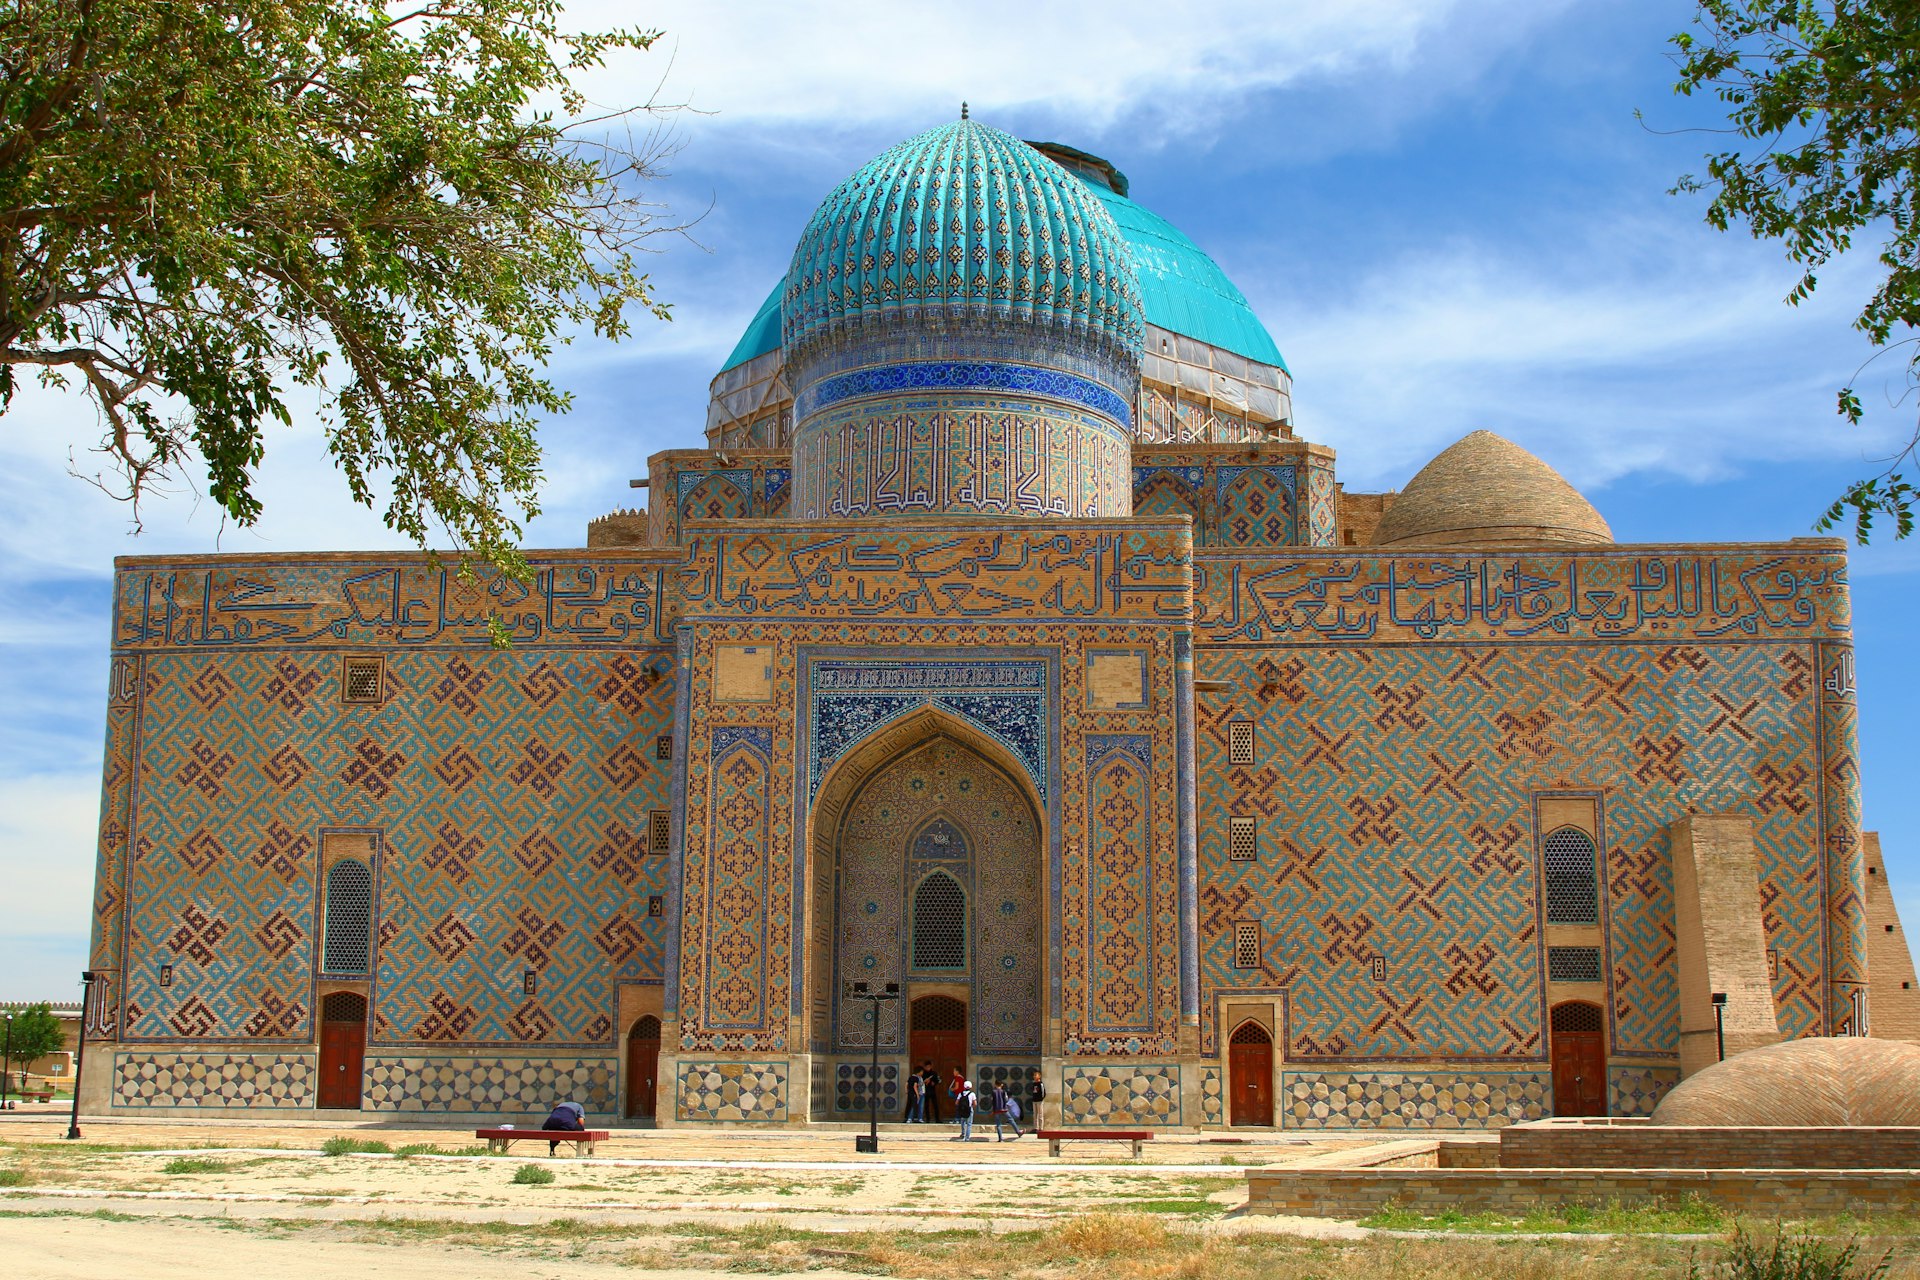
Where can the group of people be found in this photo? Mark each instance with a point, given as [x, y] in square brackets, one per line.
[923, 1102]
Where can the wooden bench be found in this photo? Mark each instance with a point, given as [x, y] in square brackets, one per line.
[1055, 1137]
[502, 1140]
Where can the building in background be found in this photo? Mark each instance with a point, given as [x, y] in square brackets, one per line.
[1008, 644]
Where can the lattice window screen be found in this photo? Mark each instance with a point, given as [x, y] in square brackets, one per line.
[1573, 887]
[939, 923]
[1573, 964]
[659, 831]
[663, 747]
[343, 1006]
[1577, 1017]
[1243, 839]
[360, 680]
[1250, 1033]
[1240, 741]
[1246, 945]
[349, 925]
[939, 1013]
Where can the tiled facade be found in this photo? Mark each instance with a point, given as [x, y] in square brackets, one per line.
[1160, 765]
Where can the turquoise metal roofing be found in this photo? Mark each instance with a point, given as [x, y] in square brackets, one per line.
[963, 216]
[1181, 288]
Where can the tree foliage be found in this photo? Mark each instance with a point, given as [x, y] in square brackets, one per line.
[1825, 95]
[35, 1034]
[207, 208]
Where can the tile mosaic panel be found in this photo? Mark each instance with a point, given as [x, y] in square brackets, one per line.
[1120, 888]
[1399, 780]
[1636, 1091]
[1412, 1099]
[739, 813]
[1213, 1101]
[1121, 1094]
[490, 1085]
[1256, 506]
[252, 1080]
[852, 1089]
[731, 1092]
[1846, 868]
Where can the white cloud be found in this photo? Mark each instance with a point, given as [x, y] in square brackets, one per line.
[1172, 70]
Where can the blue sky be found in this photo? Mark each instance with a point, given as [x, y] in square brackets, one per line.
[1446, 213]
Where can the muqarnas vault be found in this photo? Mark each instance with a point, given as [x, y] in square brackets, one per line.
[1006, 644]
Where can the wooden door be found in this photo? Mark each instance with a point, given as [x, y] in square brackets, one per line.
[1579, 1054]
[343, 1050]
[643, 1068]
[1250, 1076]
[937, 1029]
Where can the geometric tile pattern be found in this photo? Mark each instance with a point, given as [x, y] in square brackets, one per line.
[716, 495]
[212, 1080]
[738, 809]
[1256, 506]
[1120, 885]
[732, 1092]
[1636, 1091]
[1322, 502]
[1213, 1109]
[1412, 1100]
[489, 1085]
[1846, 867]
[1121, 1094]
[852, 1092]
[1398, 783]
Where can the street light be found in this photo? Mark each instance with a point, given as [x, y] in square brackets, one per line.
[1720, 1023]
[877, 992]
[6, 1063]
[80, 1051]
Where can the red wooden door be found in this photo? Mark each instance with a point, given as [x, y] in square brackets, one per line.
[343, 1050]
[1250, 1076]
[1579, 1053]
[938, 1030]
[643, 1068]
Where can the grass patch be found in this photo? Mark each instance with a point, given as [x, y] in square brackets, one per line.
[14, 1178]
[532, 1175]
[192, 1164]
[1790, 1257]
[352, 1146]
[1691, 1216]
[416, 1149]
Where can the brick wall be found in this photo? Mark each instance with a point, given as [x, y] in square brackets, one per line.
[1557, 1146]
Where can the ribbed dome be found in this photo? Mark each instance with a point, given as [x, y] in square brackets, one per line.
[1827, 1080]
[1483, 489]
[964, 220]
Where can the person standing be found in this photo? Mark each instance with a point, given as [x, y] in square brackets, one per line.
[916, 1099]
[953, 1092]
[1036, 1093]
[930, 1091]
[1003, 1112]
[963, 1102]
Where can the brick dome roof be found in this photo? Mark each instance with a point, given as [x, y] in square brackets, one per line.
[1817, 1081]
[1485, 489]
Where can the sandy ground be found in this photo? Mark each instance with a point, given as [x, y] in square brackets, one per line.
[70, 1249]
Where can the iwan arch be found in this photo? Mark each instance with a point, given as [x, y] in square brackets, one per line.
[1005, 642]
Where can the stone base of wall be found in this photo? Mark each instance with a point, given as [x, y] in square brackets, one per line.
[1357, 1193]
[248, 1081]
[1576, 1144]
[1438, 1099]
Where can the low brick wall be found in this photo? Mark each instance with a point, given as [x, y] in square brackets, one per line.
[1356, 1193]
[1567, 1145]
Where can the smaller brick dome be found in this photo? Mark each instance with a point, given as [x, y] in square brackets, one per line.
[1819, 1081]
[1484, 489]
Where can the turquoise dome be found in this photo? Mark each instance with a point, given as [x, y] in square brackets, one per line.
[962, 220]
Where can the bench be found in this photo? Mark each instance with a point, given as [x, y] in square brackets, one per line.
[1055, 1137]
[501, 1141]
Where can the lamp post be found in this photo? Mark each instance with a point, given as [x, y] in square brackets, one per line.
[6, 1062]
[1720, 1024]
[877, 992]
[80, 1051]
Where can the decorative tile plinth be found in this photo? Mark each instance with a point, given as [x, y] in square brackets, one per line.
[489, 1084]
[731, 1091]
[212, 1080]
[851, 1088]
[1121, 1094]
[1636, 1091]
[1213, 1106]
[1413, 1100]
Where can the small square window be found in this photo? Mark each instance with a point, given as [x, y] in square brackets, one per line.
[1573, 964]
[166, 975]
[530, 983]
[361, 680]
[1246, 944]
[663, 747]
[656, 905]
[1240, 742]
[1243, 839]
[1378, 967]
[659, 831]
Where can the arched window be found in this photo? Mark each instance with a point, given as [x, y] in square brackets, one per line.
[348, 946]
[343, 1006]
[1573, 886]
[1578, 1016]
[939, 923]
[1250, 1033]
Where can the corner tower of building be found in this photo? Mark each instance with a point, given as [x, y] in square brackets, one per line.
[961, 329]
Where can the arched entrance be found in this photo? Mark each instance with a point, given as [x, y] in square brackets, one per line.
[1578, 1046]
[343, 1050]
[927, 871]
[643, 1068]
[1250, 1076]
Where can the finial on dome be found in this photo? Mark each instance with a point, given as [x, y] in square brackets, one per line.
[963, 110]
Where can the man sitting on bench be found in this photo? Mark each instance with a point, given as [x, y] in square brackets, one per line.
[570, 1116]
